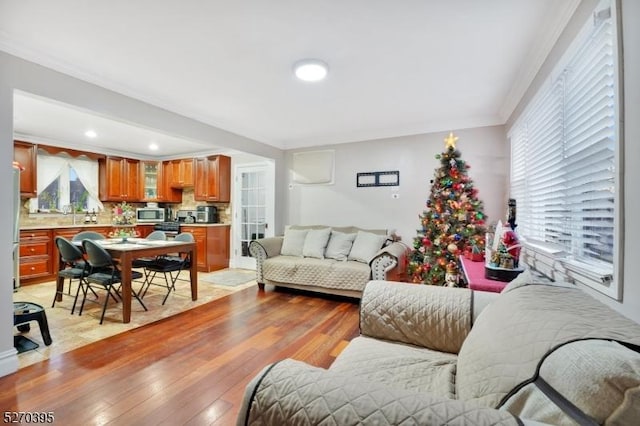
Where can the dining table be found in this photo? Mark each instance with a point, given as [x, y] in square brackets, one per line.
[124, 251]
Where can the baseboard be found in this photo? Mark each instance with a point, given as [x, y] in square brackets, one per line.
[8, 362]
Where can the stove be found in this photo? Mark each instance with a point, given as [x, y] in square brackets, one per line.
[170, 228]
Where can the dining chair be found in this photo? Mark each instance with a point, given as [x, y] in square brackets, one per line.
[142, 262]
[87, 235]
[72, 265]
[170, 266]
[102, 273]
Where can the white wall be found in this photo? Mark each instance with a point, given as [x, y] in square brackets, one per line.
[342, 203]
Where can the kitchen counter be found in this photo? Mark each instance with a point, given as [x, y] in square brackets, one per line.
[103, 225]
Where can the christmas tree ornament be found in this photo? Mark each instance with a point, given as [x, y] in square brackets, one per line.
[450, 141]
[451, 276]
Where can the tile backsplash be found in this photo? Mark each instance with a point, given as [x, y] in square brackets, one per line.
[104, 217]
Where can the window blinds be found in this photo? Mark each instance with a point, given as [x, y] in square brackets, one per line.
[563, 154]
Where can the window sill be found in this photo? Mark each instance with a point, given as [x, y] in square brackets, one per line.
[559, 266]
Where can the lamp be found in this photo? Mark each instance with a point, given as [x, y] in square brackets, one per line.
[310, 69]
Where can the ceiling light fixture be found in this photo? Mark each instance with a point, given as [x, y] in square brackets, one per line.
[153, 147]
[90, 134]
[310, 69]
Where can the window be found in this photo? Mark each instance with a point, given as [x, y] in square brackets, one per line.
[564, 159]
[66, 183]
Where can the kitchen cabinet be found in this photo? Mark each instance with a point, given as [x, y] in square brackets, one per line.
[25, 153]
[212, 246]
[119, 179]
[181, 173]
[168, 193]
[151, 180]
[144, 230]
[213, 179]
[35, 261]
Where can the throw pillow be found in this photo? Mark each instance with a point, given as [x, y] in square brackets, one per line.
[365, 246]
[315, 243]
[293, 242]
[339, 245]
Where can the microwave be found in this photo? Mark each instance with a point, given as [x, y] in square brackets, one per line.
[150, 214]
[207, 214]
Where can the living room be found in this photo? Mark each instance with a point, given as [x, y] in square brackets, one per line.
[485, 147]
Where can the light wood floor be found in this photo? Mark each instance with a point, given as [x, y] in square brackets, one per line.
[191, 368]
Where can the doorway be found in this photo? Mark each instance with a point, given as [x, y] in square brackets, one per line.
[253, 214]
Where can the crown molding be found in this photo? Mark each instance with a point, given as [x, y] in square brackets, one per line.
[562, 12]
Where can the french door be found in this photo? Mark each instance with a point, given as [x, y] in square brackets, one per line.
[253, 213]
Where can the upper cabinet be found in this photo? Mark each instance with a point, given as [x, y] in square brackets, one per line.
[213, 179]
[150, 180]
[26, 154]
[181, 174]
[119, 179]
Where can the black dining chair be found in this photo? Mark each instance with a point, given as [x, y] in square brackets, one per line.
[170, 267]
[72, 266]
[87, 235]
[142, 262]
[102, 273]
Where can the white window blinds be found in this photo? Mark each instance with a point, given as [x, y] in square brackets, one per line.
[563, 156]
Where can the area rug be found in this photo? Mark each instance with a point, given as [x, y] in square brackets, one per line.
[229, 277]
[69, 332]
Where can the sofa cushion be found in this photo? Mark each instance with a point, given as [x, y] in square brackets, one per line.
[339, 245]
[398, 365]
[293, 242]
[365, 246]
[599, 377]
[513, 333]
[315, 243]
[326, 273]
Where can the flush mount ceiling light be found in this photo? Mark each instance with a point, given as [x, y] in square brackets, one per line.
[153, 146]
[310, 70]
[90, 134]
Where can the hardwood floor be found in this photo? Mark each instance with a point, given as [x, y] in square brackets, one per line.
[191, 368]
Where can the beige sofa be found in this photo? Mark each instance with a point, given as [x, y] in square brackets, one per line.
[433, 355]
[345, 274]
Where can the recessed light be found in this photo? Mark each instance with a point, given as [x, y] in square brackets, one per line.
[310, 70]
[153, 147]
[90, 134]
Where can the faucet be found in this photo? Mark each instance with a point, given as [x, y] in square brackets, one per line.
[70, 208]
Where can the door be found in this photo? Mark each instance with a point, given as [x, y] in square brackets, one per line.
[253, 215]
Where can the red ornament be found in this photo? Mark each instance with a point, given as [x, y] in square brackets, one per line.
[426, 242]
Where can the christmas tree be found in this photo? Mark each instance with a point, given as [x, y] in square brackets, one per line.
[452, 223]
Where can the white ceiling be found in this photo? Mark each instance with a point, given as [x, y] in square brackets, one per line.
[396, 68]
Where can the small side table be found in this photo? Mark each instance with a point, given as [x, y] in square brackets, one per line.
[474, 274]
[23, 313]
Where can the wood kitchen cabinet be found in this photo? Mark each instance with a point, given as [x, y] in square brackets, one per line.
[25, 153]
[35, 260]
[213, 179]
[150, 180]
[212, 246]
[181, 173]
[119, 179]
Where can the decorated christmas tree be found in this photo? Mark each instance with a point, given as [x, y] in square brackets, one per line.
[451, 224]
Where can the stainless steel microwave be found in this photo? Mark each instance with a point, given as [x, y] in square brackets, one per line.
[150, 214]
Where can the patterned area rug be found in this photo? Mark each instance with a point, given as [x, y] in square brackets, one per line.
[72, 331]
[229, 277]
